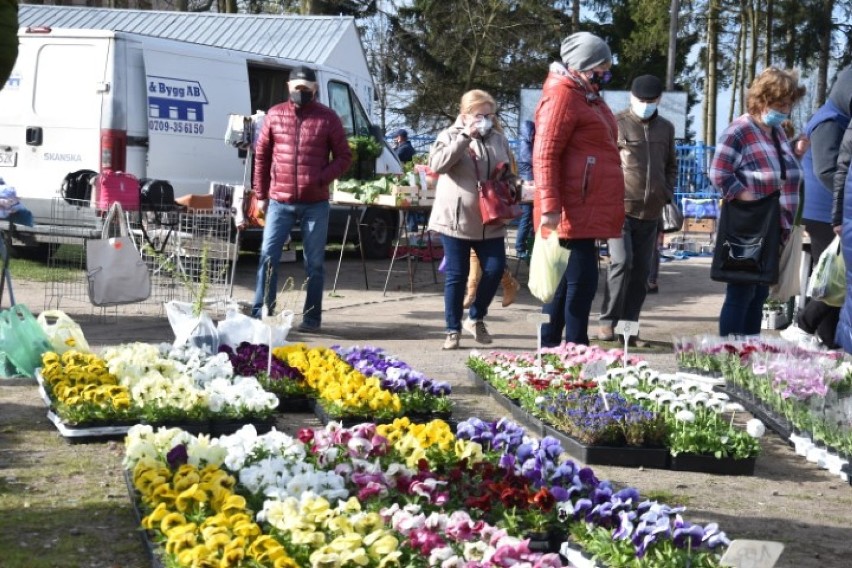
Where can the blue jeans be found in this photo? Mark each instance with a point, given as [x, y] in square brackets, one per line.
[280, 218]
[742, 311]
[492, 259]
[571, 305]
[525, 222]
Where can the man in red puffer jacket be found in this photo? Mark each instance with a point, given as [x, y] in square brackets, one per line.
[301, 150]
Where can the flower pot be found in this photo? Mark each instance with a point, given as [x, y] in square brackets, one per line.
[295, 404]
[626, 456]
[711, 464]
[227, 426]
[549, 541]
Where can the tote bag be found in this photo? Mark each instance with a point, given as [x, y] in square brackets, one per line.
[115, 269]
[748, 242]
[789, 269]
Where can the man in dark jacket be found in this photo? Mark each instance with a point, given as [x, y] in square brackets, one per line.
[301, 149]
[647, 147]
[402, 145]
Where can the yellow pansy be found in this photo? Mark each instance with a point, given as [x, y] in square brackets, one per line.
[154, 519]
[181, 538]
[170, 521]
[381, 543]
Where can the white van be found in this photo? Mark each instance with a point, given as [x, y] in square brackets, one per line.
[150, 93]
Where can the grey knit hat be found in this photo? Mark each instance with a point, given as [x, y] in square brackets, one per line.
[583, 51]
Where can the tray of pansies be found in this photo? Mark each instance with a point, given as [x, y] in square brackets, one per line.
[400, 494]
[804, 395]
[276, 376]
[629, 416]
[144, 383]
[358, 384]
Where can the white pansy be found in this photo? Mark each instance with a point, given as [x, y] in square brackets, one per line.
[734, 407]
[755, 428]
[627, 382]
[685, 416]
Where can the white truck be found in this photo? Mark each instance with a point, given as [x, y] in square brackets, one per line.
[150, 93]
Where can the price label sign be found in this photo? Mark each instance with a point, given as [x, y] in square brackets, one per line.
[594, 370]
[744, 553]
[627, 328]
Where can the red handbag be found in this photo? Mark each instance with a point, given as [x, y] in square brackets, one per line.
[498, 202]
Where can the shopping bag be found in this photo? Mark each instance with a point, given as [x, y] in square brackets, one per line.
[197, 330]
[115, 269]
[63, 332]
[22, 342]
[547, 265]
[828, 280]
[789, 268]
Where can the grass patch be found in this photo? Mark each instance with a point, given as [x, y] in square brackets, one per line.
[667, 497]
[65, 265]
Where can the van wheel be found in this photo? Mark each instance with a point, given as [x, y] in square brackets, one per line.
[378, 228]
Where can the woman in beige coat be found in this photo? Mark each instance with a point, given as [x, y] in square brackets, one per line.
[466, 152]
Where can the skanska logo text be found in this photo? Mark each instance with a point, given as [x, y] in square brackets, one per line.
[54, 157]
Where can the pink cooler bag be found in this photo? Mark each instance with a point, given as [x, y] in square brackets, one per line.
[121, 187]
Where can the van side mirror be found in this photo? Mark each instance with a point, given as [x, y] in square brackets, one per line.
[377, 133]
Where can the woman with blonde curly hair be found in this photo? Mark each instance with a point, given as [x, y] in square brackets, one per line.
[754, 159]
[465, 153]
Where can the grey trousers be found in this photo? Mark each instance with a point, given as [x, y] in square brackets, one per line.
[627, 276]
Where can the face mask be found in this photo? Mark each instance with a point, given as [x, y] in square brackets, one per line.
[774, 118]
[598, 80]
[301, 97]
[643, 110]
[483, 125]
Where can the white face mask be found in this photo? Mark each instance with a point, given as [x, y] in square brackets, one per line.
[643, 110]
[483, 125]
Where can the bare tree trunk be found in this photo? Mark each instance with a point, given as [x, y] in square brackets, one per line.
[575, 16]
[767, 48]
[747, 29]
[231, 7]
[670, 62]
[735, 84]
[824, 54]
[754, 11]
[712, 65]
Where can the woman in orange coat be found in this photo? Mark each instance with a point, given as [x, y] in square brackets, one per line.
[579, 184]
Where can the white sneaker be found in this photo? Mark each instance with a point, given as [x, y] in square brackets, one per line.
[805, 340]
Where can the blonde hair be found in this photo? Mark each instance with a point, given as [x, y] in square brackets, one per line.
[774, 86]
[477, 97]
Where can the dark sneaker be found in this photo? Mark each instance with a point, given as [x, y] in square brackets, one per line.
[478, 330]
[309, 327]
[634, 341]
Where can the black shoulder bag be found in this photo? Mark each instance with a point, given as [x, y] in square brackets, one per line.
[748, 239]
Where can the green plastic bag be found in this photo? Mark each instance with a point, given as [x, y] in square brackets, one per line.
[828, 280]
[22, 341]
[547, 265]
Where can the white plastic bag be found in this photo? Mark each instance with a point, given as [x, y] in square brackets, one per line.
[828, 280]
[547, 265]
[238, 327]
[62, 331]
[199, 331]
